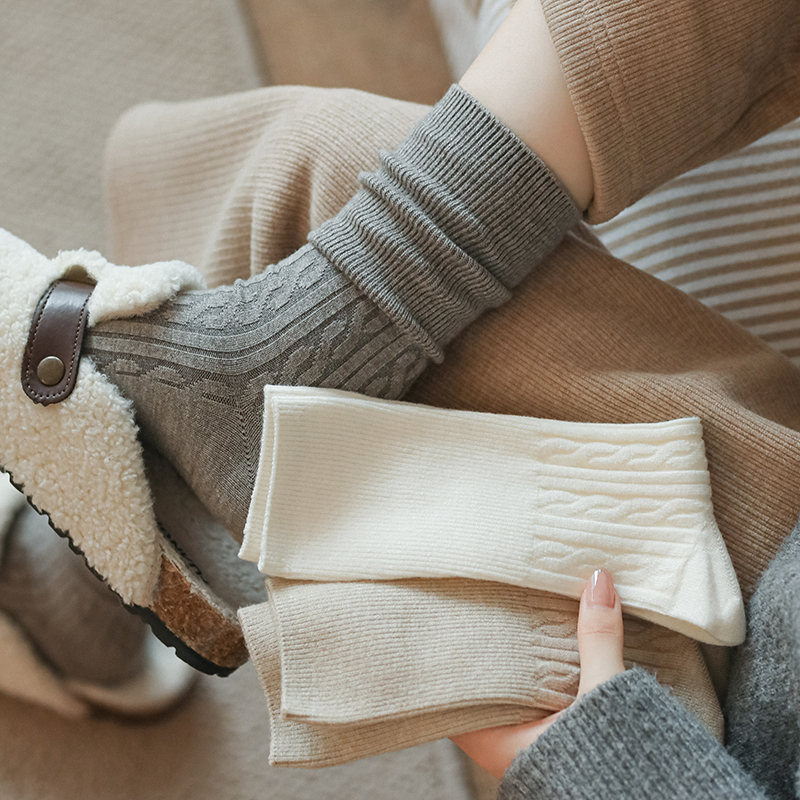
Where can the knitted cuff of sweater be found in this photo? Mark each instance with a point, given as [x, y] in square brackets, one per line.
[626, 739]
[662, 89]
[468, 183]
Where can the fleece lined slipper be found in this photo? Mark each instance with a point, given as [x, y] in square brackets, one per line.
[71, 446]
[25, 673]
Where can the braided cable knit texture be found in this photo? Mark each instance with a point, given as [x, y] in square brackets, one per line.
[351, 488]
[378, 293]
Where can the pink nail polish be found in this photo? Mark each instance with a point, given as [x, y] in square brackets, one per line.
[601, 589]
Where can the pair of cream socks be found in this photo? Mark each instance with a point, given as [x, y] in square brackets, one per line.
[404, 541]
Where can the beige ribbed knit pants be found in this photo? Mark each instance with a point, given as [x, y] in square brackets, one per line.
[236, 183]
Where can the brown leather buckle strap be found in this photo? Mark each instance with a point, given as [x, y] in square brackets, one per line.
[51, 358]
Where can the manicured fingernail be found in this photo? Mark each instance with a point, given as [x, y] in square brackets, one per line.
[601, 589]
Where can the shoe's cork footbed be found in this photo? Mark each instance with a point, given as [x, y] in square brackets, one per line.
[191, 615]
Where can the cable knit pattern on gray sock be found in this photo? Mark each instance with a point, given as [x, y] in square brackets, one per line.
[73, 620]
[627, 740]
[439, 234]
[196, 367]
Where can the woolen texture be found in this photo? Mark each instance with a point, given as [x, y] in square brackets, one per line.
[763, 708]
[464, 179]
[69, 69]
[586, 338]
[355, 669]
[660, 88]
[312, 144]
[353, 488]
[379, 290]
[728, 233]
[626, 739]
[590, 338]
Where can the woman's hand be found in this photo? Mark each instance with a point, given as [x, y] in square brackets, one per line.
[600, 649]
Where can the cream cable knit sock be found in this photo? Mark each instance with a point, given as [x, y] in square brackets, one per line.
[355, 669]
[352, 488]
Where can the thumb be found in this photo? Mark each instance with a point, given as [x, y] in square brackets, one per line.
[600, 632]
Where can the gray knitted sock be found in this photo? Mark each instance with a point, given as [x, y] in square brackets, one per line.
[73, 620]
[446, 227]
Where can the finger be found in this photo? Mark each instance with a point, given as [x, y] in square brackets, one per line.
[600, 632]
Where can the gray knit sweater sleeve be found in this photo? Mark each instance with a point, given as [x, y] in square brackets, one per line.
[627, 739]
[452, 220]
[763, 710]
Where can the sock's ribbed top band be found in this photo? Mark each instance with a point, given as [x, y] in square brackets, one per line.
[351, 488]
[471, 184]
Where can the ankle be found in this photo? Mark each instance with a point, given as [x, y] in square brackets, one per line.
[518, 78]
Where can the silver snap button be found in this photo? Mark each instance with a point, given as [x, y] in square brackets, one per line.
[50, 371]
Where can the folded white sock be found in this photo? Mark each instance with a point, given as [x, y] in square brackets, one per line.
[351, 488]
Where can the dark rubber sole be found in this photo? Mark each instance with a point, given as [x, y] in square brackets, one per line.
[182, 650]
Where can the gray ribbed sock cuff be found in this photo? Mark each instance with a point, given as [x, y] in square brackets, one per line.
[626, 739]
[449, 223]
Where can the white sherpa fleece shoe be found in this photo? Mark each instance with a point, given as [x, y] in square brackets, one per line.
[25, 673]
[75, 455]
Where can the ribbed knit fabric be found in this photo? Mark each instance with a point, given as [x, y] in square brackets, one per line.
[629, 740]
[464, 175]
[195, 367]
[601, 745]
[590, 338]
[352, 488]
[586, 338]
[663, 88]
[412, 240]
[763, 708]
[234, 183]
[355, 669]
[727, 233]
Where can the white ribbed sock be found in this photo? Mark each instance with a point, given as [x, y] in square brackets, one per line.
[351, 488]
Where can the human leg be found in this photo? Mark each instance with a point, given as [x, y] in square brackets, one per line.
[145, 567]
[348, 223]
[518, 70]
[594, 364]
